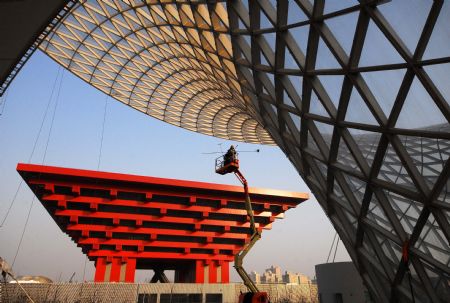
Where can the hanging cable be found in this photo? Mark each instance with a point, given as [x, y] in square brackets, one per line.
[331, 248]
[53, 117]
[98, 164]
[102, 133]
[23, 231]
[43, 159]
[337, 244]
[34, 146]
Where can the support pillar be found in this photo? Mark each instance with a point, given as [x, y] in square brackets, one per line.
[115, 270]
[130, 270]
[212, 272]
[225, 272]
[199, 272]
[100, 269]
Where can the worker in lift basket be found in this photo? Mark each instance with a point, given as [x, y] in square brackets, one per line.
[230, 156]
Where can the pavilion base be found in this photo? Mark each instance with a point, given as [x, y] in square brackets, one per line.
[117, 269]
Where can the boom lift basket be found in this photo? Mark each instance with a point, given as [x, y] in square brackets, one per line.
[225, 167]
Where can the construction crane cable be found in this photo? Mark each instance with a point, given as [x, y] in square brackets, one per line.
[34, 147]
[43, 158]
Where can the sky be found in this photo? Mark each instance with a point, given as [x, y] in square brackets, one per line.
[133, 143]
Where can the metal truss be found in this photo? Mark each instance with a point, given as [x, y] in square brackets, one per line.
[354, 92]
[355, 99]
[171, 60]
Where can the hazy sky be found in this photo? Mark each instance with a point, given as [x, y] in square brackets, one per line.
[136, 144]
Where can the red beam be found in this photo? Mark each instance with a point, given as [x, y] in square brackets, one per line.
[155, 231]
[159, 255]
[108, 178]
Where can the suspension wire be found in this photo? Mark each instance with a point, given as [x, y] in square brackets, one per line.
[43, 159]
[53, 116]
[331, 248]
[337, 243]
[103, 132]
[33, 149]
[23, 231]
[98, 163]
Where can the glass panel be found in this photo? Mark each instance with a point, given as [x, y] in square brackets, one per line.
[300, 35]
[316, 106]
[429, 155]
[295, 14]
[406, 210]
[343, 28]
[324, 58]
[384, 85]
[336, 5]
[377, 49]
[326, 130]
[392, 170]
[440, 35]
[419, 110]
[438, 73]
[376, 214]
[333, 87]
[409, 27]
[367, 142]
[439, 281]
[357, 186]
[433, 242]
[358, 111]
[345, 157]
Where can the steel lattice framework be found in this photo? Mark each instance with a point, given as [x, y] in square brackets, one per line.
[354, 92]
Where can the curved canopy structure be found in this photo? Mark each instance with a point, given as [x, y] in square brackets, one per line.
[354, 92]
[172, 61]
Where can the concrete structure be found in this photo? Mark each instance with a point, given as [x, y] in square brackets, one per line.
[125, 222]
[354, 92]
[340, 282]
[151, 293]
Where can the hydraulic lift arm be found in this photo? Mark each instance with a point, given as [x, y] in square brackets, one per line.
[256, 235]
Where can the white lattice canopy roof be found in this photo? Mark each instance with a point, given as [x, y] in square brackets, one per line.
[168, 59]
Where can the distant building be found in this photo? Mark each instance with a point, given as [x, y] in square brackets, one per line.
[274, 275]
[255, 277]
[296, 278]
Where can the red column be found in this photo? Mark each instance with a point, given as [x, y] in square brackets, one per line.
[225, 271]
[212, 272]
[100, 268]
[115, 270]
[199, 272]
[130, 270]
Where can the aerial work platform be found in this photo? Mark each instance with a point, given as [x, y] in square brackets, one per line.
[127, 222]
